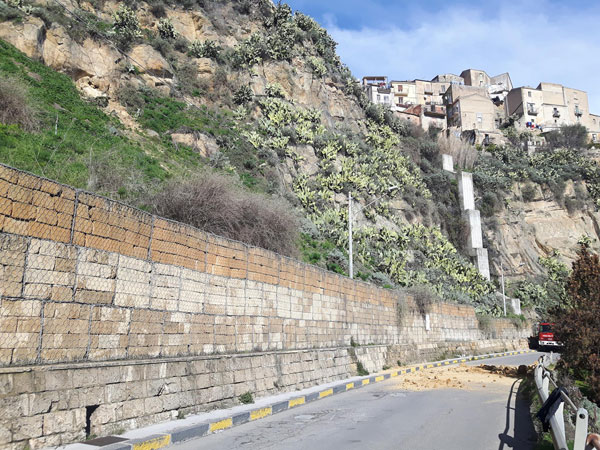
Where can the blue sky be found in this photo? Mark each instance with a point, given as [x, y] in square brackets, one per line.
[547, 40]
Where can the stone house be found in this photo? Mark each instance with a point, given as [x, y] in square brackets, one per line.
[425, 116]
[418, 92]
[448, 78]
[405, 94]
[549, 106]
[377, 90]
[471, 113]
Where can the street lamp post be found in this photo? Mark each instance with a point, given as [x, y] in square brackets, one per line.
[503, 296]
[350, 259]
[350, 220]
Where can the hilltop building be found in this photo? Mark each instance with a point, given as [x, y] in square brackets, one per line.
[549, 106]
[418, 92]
[377, 90]
[476, 105]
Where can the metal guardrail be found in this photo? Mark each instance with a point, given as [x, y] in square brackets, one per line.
[543, 378]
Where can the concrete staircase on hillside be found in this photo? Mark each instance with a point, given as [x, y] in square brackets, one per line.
[471, 215]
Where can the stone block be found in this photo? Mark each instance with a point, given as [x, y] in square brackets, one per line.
[473, 218]
[465, 189]
[447, 163]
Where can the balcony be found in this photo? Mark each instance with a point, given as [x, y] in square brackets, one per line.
[556, 113]
[578, 112]
[532, 111]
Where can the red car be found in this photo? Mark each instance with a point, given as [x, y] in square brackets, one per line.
[546, 336]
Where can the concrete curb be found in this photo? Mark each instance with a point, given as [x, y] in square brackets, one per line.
[157, 441]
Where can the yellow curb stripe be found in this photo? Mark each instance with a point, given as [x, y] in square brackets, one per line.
[296, 401]
[455, 361]
[429, 366]
[378, 379]
[326, 393]
[349, 386]
[221, 425]
[446, 363]
[394, 374]
[260, 413]
[367, 381]
[152, 444]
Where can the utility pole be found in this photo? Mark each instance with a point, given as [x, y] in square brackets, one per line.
[350, 268]
[503, 296]
[351, 219]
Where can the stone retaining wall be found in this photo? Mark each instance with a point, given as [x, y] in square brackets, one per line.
[112, 318]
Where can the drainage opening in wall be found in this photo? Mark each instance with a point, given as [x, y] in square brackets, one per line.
[89, 410]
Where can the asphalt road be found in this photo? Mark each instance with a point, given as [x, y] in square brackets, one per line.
[383, 416]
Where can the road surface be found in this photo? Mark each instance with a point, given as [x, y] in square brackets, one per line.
[388, 416]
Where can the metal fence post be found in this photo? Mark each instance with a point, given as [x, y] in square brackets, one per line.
[581, 429]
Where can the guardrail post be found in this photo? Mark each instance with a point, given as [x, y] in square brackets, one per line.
[539, 383]
[545, 384]
[557, 421]
[557, 428]
[581, 429]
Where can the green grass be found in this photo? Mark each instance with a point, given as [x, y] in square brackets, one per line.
[360, 369]
[314, 251]
[74, 134]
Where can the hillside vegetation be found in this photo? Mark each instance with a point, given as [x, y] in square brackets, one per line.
[256, 93]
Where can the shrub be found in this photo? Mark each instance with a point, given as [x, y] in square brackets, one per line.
[568, 136]
[528, 192]
[463, 154]
[274, 91]
[126, 23]
[304, 22]
[491, 203]
[576, 324]
[360, 369]
[424, 296]
[282, 14]
[166, 30]
[249, 52]
[14, 105]
[558, 190]
[243, 95]
[243, 7]
[217, 204]
[246, 398]
[157, 8]
[317, 66]
[206, 49]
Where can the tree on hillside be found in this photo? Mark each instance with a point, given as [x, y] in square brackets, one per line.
[568, 136]
[577, 326]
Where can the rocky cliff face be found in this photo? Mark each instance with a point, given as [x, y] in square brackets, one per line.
[98, 68]
[320, 136]
[524, 231]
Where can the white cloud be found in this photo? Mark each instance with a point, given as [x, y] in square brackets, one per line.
[533, 44]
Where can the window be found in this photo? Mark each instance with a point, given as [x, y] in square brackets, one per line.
[378, 98]
[479, 118]
[443, 88]
[528, 93]
[594, 137]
